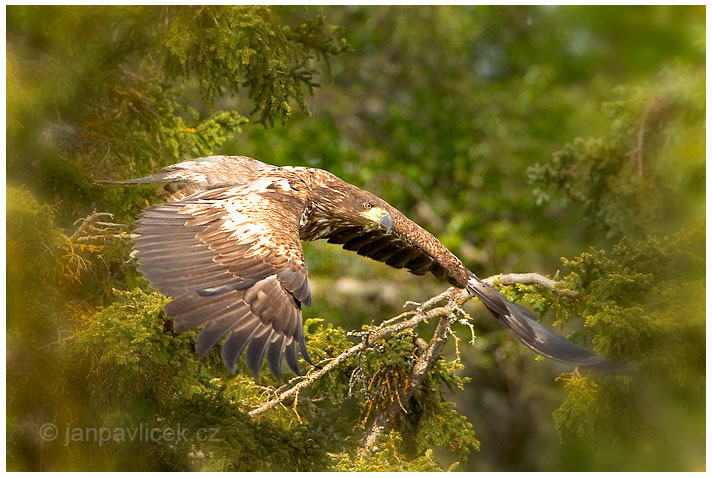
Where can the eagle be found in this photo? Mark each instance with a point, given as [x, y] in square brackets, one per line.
[226, 247]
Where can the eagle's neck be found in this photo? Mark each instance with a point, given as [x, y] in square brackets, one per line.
[318, 220]
[320, 217]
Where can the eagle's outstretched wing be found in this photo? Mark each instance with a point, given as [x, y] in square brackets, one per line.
[232, 259]
[227, 248]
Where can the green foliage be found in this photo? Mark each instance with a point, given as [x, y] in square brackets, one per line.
[228, 48]
[153, 122]
[386, 456]
[646, 173]
[326, 342]
[645, 296]
[644, 302]
[125, 105]
[35, 239]
[429, 421]
[130, 338]
[589, 405]
[384, 372]
[377, 376]
[443, 426]
[38, 306]
[33, 277]
[143, 373]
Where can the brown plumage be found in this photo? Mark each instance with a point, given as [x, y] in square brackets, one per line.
[227, 247]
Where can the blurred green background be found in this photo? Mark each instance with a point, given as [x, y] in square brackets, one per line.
[516, 135]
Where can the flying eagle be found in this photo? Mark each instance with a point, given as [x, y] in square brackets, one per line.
[226, 246]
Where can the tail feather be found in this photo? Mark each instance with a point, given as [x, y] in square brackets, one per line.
[524, 326]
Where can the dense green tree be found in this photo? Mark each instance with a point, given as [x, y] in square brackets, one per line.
[517, 135]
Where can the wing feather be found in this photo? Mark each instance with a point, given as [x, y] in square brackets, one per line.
[190, 310]
[211, 334]
[257, 348]
[188, 177]
[234, 346]
[407, 245]
[274, 356]
[291, 355]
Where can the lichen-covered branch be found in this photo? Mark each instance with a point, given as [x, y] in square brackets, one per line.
[409, 320]
[530, 278]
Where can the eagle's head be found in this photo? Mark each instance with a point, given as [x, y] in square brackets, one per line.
[343, 202]
[362, 208]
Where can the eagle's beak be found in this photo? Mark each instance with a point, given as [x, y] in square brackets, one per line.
[380, 215]
[386, 221]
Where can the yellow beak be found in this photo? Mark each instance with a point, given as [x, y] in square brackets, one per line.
[380, 215]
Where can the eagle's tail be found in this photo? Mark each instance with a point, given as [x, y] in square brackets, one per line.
[524, 326]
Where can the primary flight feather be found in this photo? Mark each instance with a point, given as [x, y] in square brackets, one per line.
[226, 246]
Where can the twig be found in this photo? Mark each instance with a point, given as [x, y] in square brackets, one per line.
[95, 229]
[86, 222]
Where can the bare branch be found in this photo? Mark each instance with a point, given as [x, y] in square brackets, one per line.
[86, 221]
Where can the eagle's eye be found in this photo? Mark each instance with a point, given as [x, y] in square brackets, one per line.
[367, 205]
